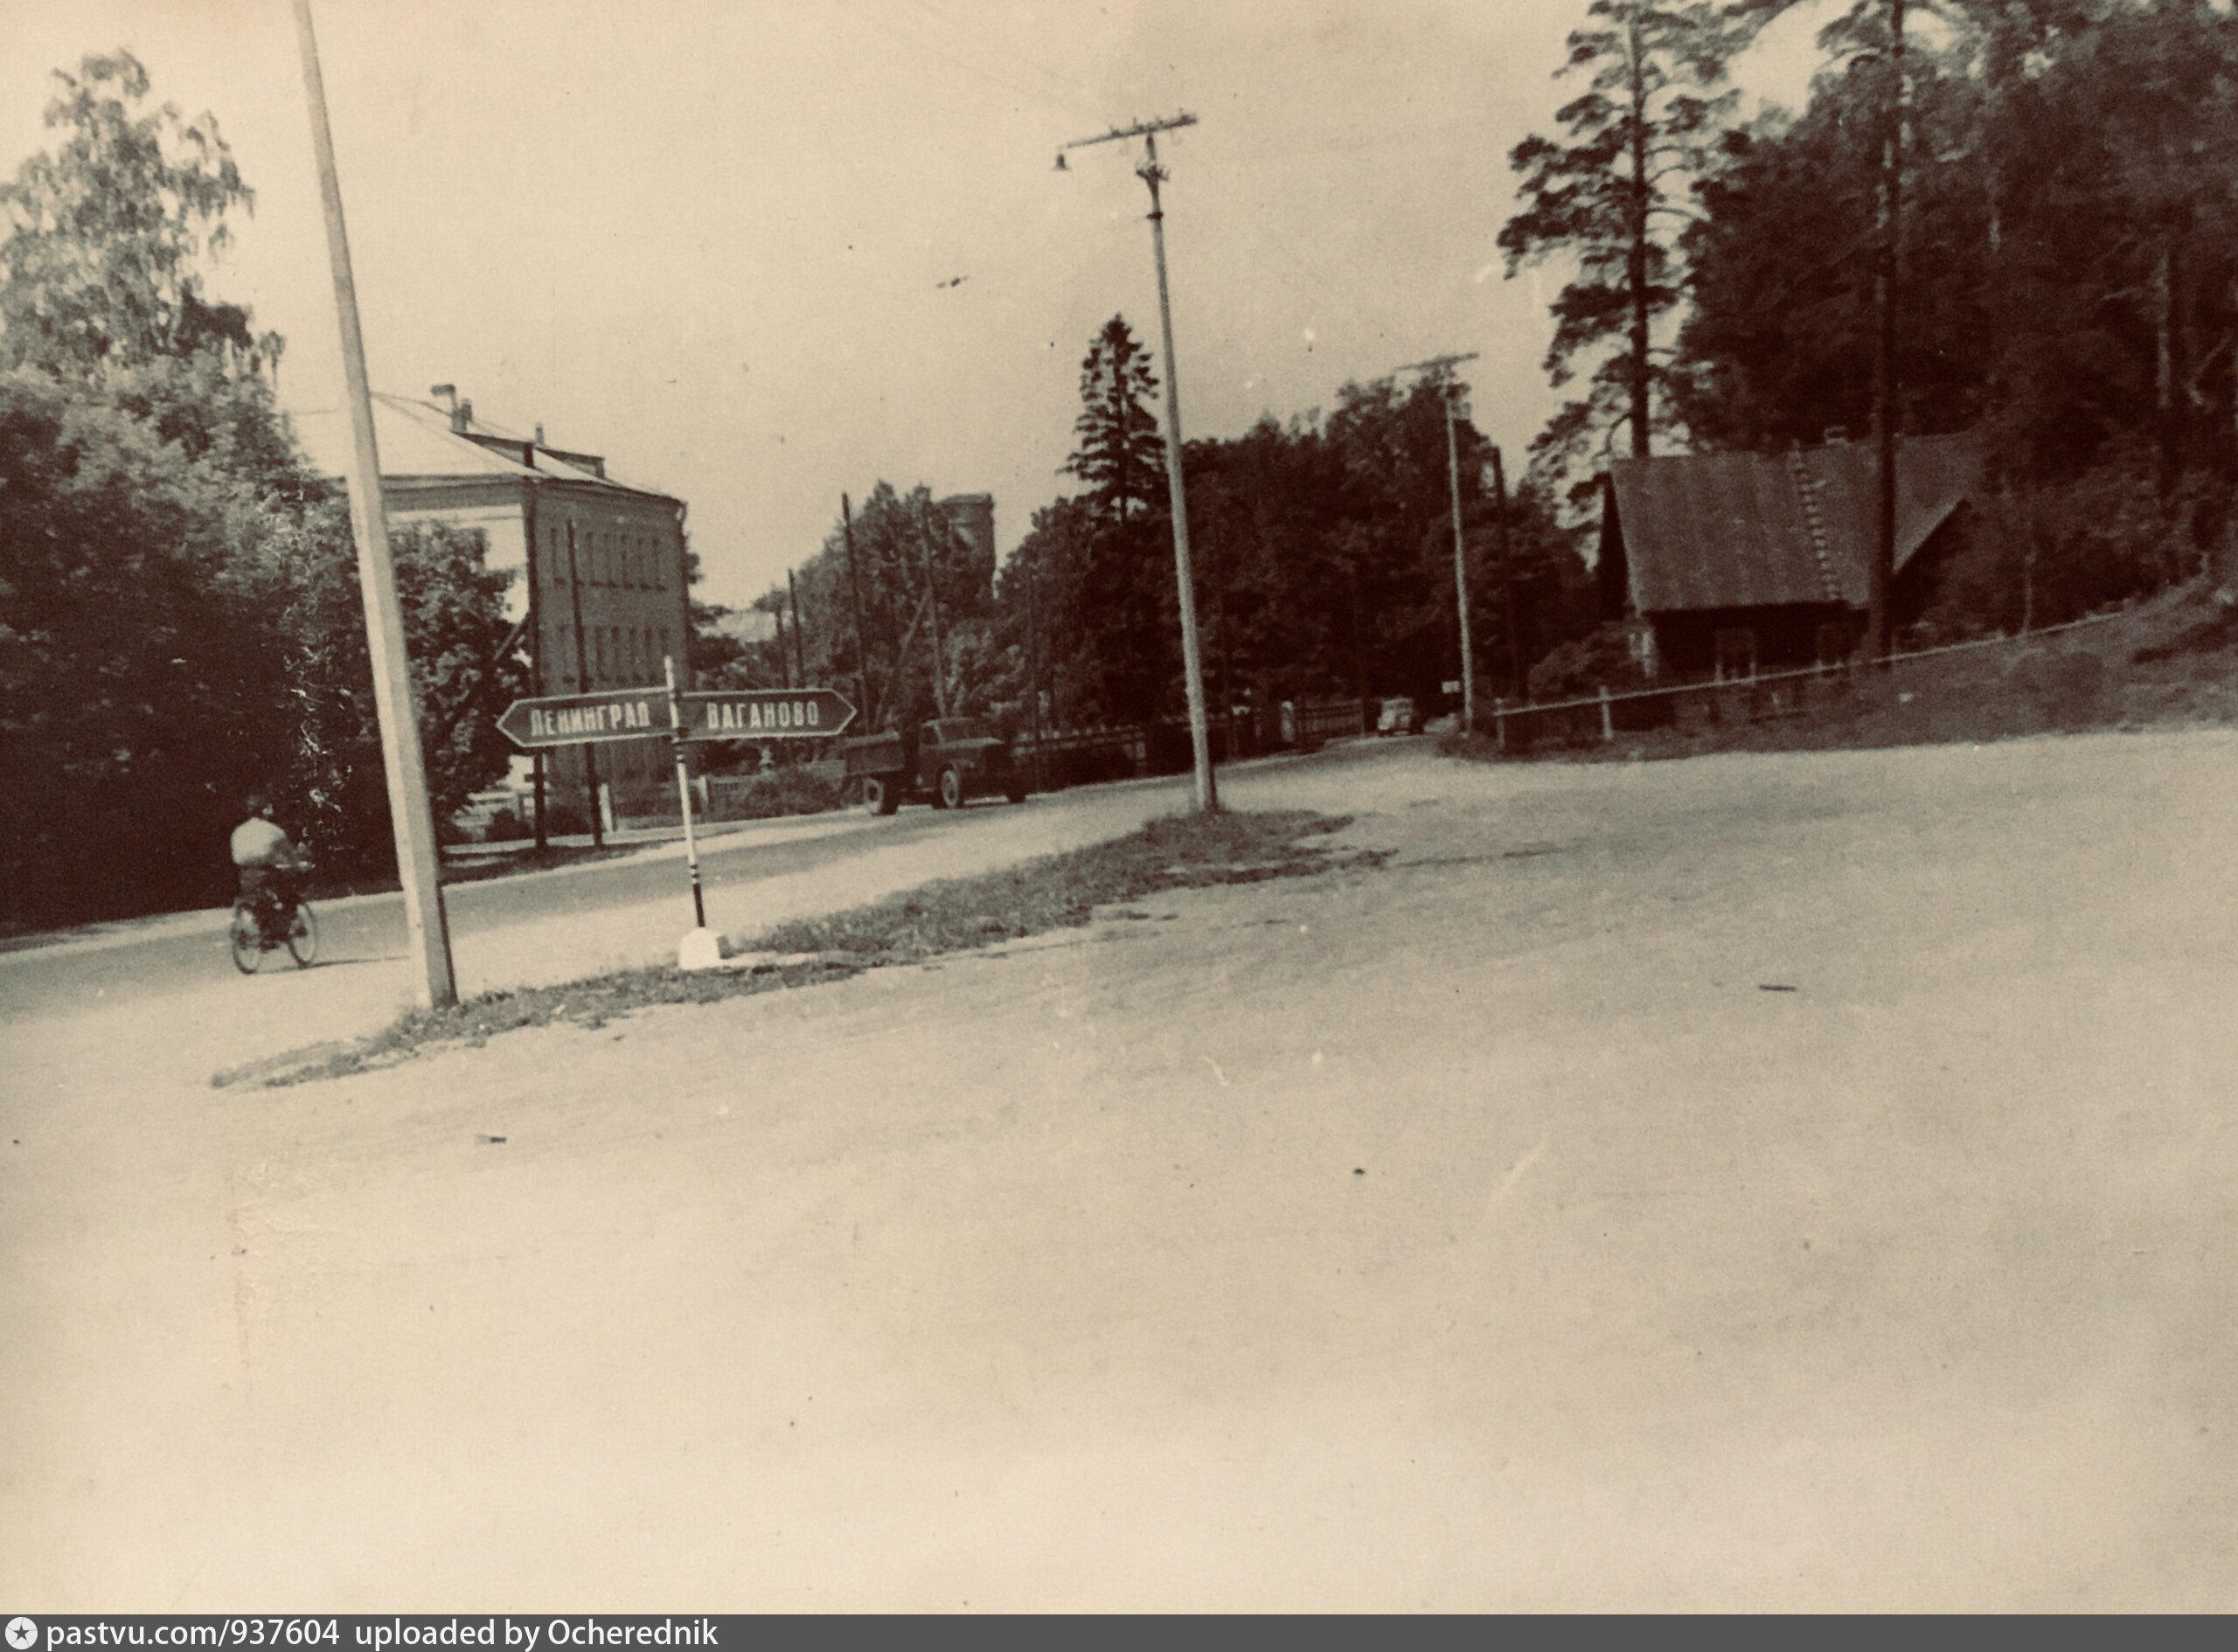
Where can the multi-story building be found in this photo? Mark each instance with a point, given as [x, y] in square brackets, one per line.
[600, 564]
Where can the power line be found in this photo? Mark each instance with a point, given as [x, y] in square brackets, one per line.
[1084, 95]
[916, 41]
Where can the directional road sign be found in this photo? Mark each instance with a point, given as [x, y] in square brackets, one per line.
[717, 714]
[572, 719]
[766, 714]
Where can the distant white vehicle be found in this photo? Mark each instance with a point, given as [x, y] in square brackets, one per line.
[1398, 717]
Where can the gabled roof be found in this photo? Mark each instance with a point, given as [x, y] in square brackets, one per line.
[1744, 530]
[416, 441]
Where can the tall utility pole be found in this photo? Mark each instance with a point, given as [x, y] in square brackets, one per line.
[1033, 578]
[1442, 367]
[855, 587]
[933, 602]
[1515, 684]
[800, 647]
[1192, 668]
[411, 818]
[1883, 573]
[582, 685]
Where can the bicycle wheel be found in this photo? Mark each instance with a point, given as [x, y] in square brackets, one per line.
[245, 939]
[303, 936]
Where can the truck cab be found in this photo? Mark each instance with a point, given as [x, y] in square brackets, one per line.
[944, 760]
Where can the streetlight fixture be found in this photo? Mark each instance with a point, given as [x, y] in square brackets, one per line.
[1152, 174]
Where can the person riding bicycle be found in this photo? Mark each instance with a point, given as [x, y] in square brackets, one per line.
[270, 866]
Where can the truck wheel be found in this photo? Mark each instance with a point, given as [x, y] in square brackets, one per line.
[951, 791]
[879, 796]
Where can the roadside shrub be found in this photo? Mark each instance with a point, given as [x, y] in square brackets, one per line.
[1602, 656]
[1092, 765]
[796, 790]
[506, 827]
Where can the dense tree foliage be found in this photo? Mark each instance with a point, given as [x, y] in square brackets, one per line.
[179, 617]
[2069, 282]
[925, 598]
[1324, 566]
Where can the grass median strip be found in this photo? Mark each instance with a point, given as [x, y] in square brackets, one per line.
[1055, 891]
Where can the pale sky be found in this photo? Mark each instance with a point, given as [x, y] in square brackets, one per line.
[709, 240]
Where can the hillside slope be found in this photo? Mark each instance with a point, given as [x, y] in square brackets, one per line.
[2169, 661]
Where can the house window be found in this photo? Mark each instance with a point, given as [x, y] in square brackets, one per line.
[1837, 642]
[1736, 652]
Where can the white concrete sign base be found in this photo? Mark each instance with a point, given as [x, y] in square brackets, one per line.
[700, 949]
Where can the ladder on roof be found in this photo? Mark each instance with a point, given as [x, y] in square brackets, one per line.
[1806, 492]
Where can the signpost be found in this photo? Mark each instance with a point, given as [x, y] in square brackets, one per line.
[639, 713]
[700, 949]
[766, 714]
[715, 714]
[575, 719]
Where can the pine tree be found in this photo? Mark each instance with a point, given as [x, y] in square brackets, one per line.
[1603, 196]
[1119, 454]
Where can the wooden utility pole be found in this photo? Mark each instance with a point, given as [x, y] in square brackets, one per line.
[1881, 575]
[1443, 366]
[412, 821]
[1151, 173]
[1033, 578]
[933, 602]
[1507, 576]
[855, 586]
[536, 575]
[800, 649]
[582, 685]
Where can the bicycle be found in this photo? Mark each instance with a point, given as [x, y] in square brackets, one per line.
[256, 930]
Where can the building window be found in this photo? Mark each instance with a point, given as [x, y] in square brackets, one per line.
[1737, 653]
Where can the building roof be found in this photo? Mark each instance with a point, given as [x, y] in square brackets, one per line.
[1744, 530]
[417, 440]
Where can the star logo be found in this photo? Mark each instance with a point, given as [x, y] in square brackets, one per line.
[23, 1635]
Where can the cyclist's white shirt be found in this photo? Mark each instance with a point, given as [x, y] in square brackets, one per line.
[259, 842]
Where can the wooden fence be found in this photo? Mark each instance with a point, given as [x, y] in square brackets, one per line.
[1769, 696]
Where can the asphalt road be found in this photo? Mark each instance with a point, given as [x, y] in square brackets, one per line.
[85, 998]
[136, 962]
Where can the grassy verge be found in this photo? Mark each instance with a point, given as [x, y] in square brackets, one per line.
[1054, 893]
